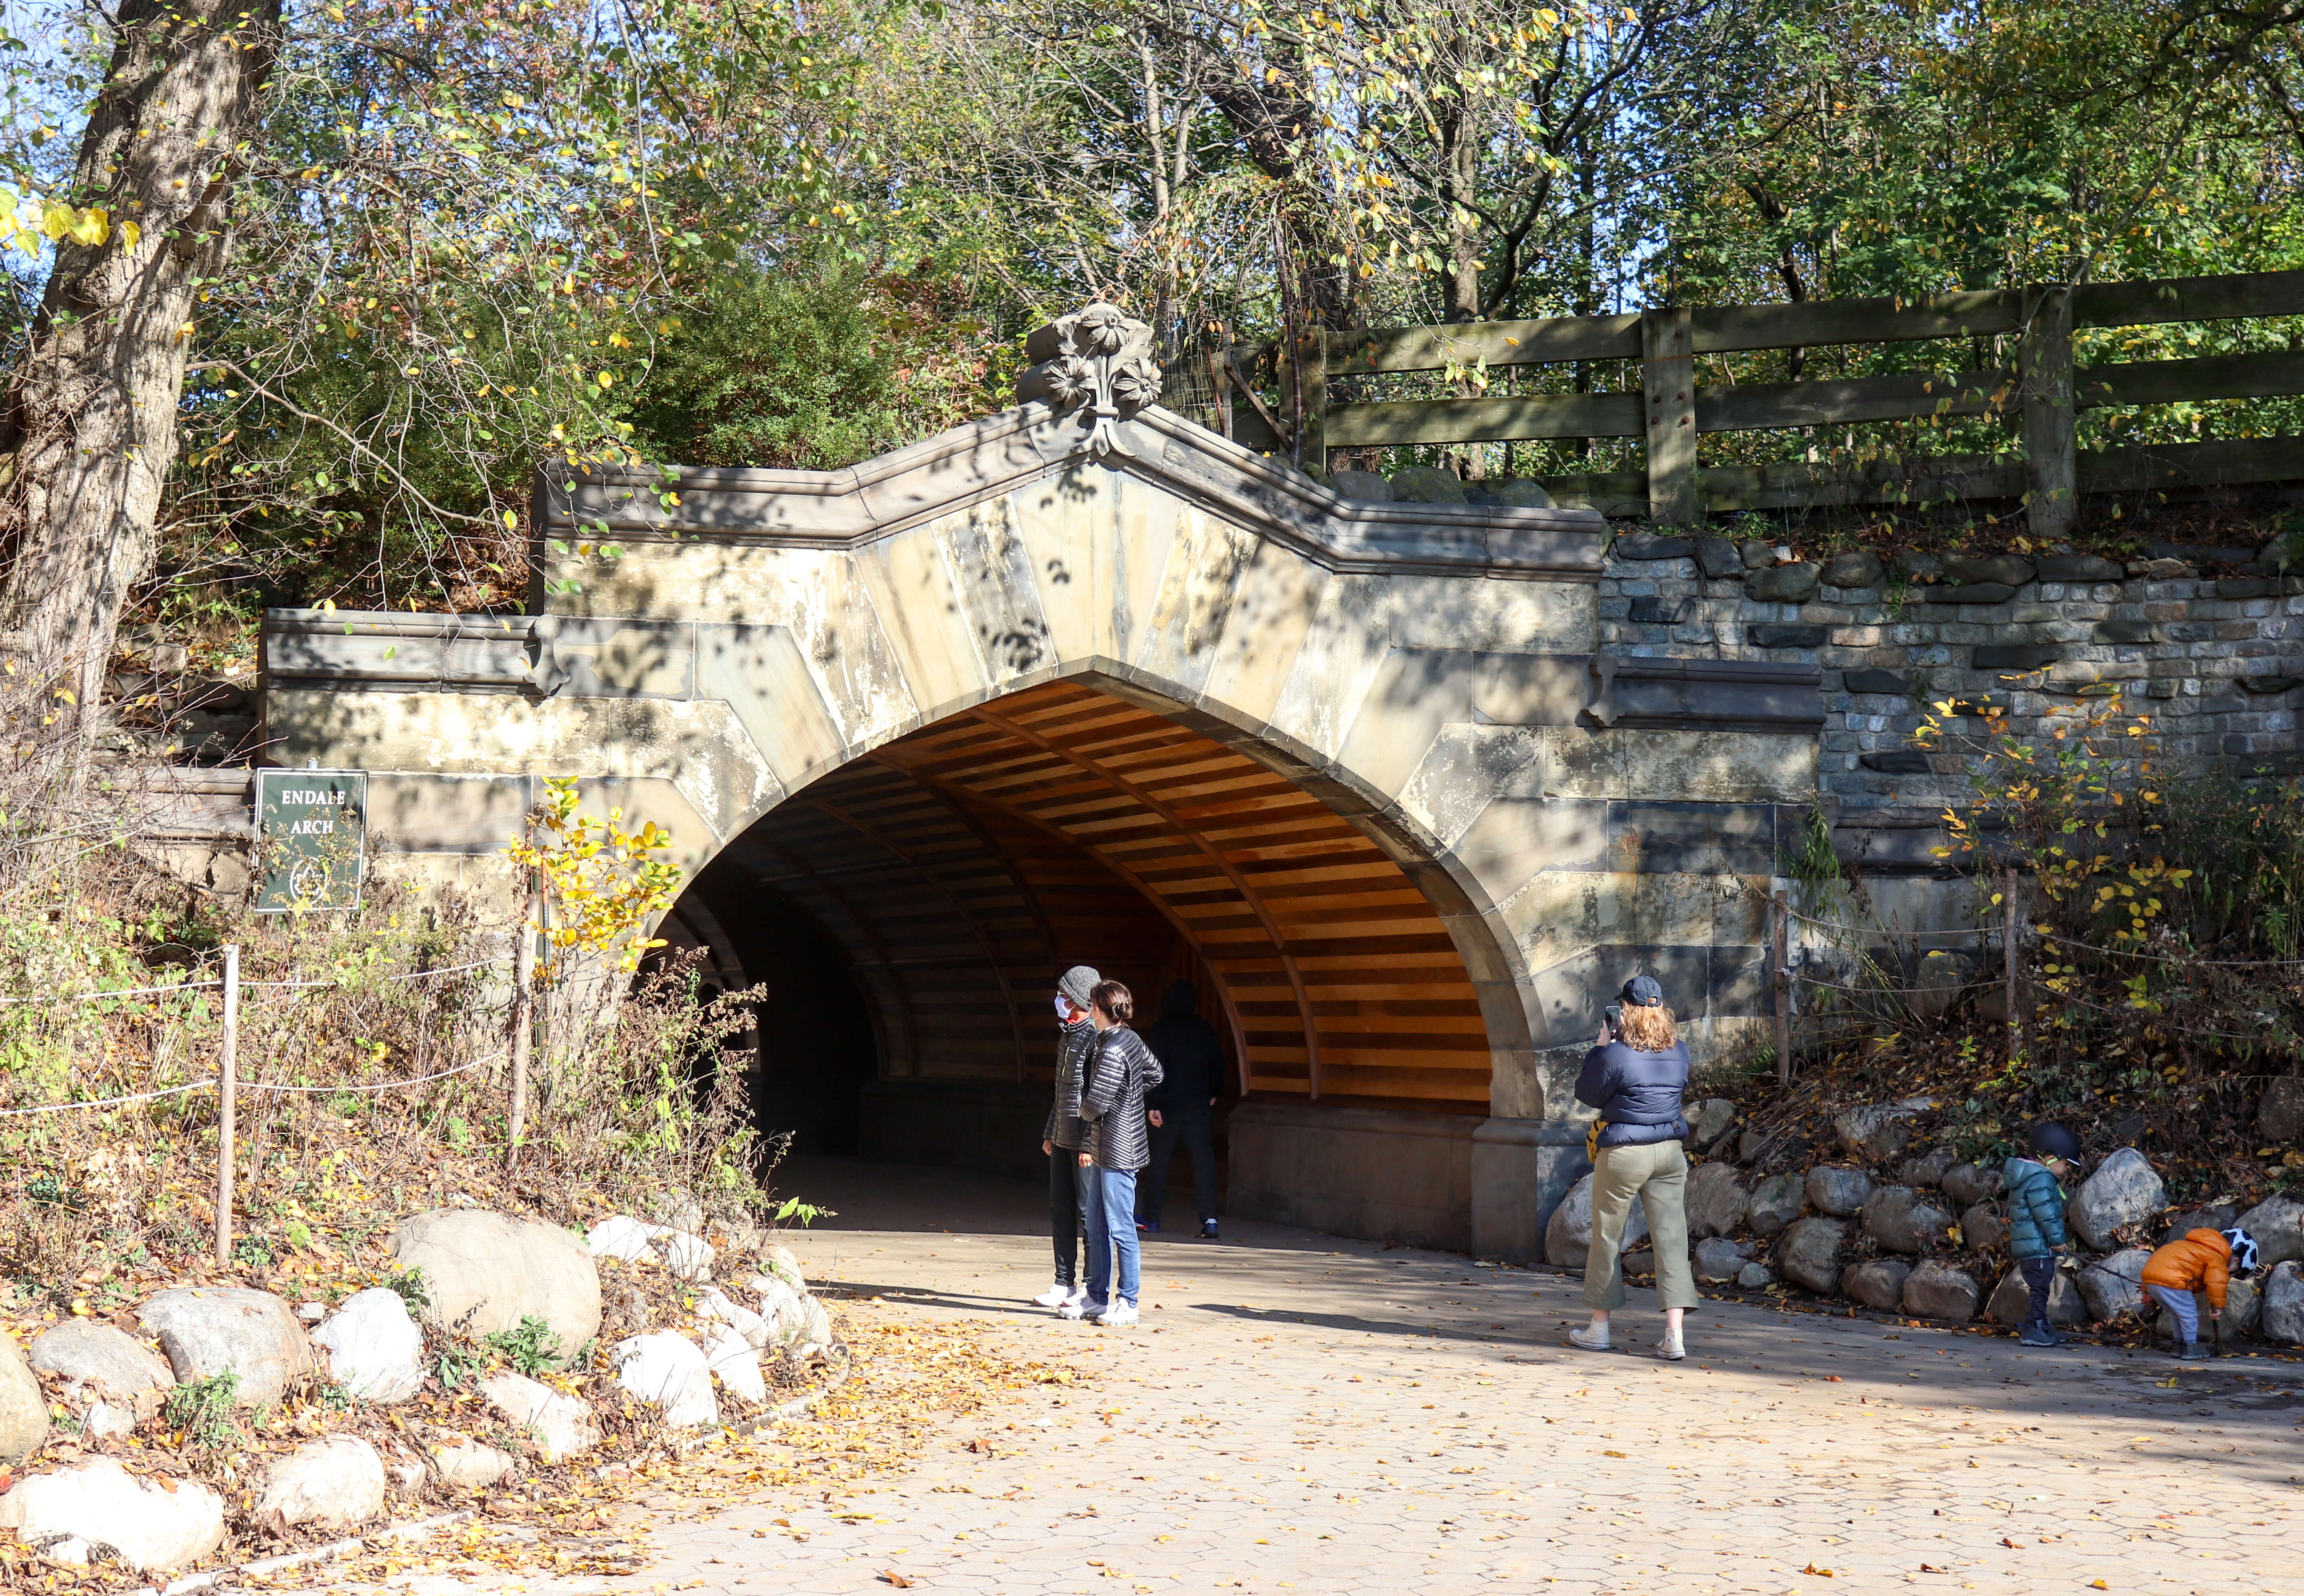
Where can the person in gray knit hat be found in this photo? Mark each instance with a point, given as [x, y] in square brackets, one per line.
[1064, 1136]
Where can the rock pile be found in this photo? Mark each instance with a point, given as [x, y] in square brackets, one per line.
[482, 1284]
[1899, 1225]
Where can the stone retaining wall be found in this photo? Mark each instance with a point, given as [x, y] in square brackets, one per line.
[2209, 642]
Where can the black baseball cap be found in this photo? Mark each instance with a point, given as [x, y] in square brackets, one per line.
[1642, 992]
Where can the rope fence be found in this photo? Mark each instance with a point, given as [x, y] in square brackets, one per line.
[1789, 978]
[226, 1081]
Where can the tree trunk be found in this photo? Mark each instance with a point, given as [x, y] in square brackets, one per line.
[90, 412]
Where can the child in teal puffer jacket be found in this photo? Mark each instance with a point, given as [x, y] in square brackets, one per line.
[2035, 1221]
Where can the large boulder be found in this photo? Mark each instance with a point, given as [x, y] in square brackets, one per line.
[23, 1409]
[1366, 486]
[2244, 1306]
[2011, 1299]
[484, 1272]
[781, 1316]
[2280, 1113]
[1877, 1282]
[116, 1379]
[1983, 1226]
[1936, 1290]
[1718, 1261]
[1810, 1251]
[668, 1372]
[1427, 485]
[206, 1330]
[1714, 1200]
[784, 1263]
[1521, 494]
[2125, 1190]
[1568, 1235]
[1709, 1123]
[734, 1362]
[715, 1304]
[336, 1482]
[1969, 1185]
[1777, 1200]
[373, 1349]
[2277, 1224]
[2182, 1223]
[97, 1510]
[562, 1426]
[1901, 1219]
[1928, 1170]
[1873, 1132]
[1838, 1189]
[2282, 1317]
[465, 1464]
[637, 1240]
[2111, 1286]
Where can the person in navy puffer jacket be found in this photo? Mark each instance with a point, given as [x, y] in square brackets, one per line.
[1635, 1077]
[2036, 1222]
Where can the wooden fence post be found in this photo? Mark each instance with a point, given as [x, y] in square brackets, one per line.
[2051, 452]
[2009, 935]
[523, 1029]
[227, 1103]
[1781, 966]
[1668, 379]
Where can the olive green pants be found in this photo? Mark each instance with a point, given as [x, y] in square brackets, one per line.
[1657, 1175]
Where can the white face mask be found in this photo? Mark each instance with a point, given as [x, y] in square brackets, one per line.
[1064, 1008]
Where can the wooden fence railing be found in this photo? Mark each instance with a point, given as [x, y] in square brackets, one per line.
[1672, 410]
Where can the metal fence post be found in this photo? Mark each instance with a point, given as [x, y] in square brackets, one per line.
[1783, 966]
[1668, 380]
[227, 1103]
[524, 1028]
[2051, 448]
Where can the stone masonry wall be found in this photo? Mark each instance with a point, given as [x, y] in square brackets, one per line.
[2209, 642]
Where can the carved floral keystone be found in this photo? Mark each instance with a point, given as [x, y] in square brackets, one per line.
[1095, 363]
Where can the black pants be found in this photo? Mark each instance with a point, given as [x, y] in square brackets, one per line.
[2039, 1279]
[1197, 1131]
[1067, 1218]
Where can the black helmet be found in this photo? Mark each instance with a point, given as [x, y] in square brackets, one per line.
[2056, 1142]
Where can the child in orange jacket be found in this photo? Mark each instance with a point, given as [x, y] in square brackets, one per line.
[2200, 1260]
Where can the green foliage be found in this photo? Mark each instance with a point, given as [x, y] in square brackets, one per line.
[806, 1213]
[408, 1284]
[251, 1251]
[456, 1365]
[201, 1410]
[810, 366]
[530, 1348]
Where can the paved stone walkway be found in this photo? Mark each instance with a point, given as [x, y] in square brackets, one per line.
[1302, 1413]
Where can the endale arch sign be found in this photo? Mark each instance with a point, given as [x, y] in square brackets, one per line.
[1086, 682]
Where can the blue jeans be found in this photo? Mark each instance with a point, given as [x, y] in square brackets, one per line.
[1111, 1228]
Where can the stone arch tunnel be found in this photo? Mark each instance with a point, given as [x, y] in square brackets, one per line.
[1086, 682]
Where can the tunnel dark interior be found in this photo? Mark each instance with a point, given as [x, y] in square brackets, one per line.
[908, 915]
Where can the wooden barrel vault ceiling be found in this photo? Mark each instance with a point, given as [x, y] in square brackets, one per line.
[961, 868]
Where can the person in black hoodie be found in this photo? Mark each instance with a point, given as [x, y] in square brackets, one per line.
[1183, 1105]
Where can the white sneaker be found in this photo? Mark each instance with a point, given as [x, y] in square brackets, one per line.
[1670, 1349]
[1055, 1296]
[1118, 1317]
[1079, 1307]
[1590, 1338]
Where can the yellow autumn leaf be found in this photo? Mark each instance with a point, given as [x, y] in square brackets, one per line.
[91, 227]
[131, 234]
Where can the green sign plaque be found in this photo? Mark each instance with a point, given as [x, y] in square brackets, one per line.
[311, 839]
